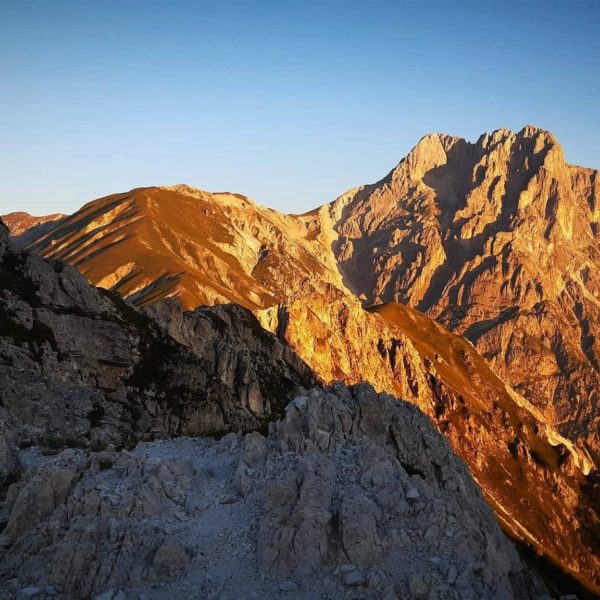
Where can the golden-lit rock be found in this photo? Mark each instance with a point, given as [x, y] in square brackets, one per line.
[499, 240]
[155, 243]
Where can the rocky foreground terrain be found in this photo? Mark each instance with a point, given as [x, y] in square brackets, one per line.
[351, 495]
[541, 486]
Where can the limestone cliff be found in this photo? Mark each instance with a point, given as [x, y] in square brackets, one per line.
[499, 240]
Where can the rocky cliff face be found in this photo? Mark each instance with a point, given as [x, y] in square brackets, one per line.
[499, 240]
[535, 479]
[351, 495]
[81, 367]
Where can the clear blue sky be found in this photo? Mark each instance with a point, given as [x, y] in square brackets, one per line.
[288, 102]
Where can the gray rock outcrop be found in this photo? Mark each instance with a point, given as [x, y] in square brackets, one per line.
[351, 495]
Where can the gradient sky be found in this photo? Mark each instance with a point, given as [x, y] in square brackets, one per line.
[288, 102]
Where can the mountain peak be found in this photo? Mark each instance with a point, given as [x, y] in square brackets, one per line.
[530, 130]
[20, 222]
[182, 188]
[429, 153]
[189, 190]
[542, 137]
[438, 149]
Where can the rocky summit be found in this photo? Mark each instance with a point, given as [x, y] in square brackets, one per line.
[464, 282]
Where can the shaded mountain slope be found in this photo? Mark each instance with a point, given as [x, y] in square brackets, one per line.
[371, 495]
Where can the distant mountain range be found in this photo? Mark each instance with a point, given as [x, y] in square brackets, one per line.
[466, 281]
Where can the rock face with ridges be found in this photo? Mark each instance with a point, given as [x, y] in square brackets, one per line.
[351, 495]
[499, 241]
[161, 242]
[79, 366]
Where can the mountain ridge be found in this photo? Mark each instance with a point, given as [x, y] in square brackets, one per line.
[422, 256]
[456, 229]
[497, 240]
[464, 243]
